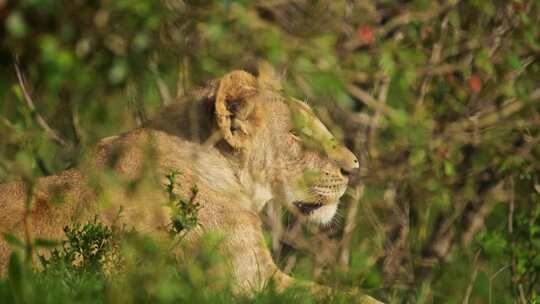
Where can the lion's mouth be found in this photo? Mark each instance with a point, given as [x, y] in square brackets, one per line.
[307, 208]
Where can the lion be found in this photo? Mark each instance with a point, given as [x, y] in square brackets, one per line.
[239, 140]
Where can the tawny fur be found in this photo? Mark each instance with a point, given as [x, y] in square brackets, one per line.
[232, 139]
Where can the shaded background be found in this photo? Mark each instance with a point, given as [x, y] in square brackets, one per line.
[438, 98]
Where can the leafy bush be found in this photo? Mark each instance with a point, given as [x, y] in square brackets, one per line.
[184, 215]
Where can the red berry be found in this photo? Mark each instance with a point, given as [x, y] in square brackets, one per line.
[475, 84]
[365, 35]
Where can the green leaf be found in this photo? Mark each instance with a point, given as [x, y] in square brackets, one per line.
[387, 63]
[15, 272]
[118, 72]
[46, 243]
[449, 169]
[16, 25]
[13, 240]
[514, 61]
[484, 62]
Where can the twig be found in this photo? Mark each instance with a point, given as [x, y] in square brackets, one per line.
[485, 119]
[350, 224]
[163, 89]
[472, 280]
[404, 19]
[274, 214]
[7, 123]
[383, 93]
[535, 95]
[27, 222]
[439, 247]
[182, 83]
[138, 111]
[477, 217]
[50, 132]
[440, 69]
[491, 278]
[522, 294]
[290, 263]
[512, 239]
[370, 101]
[77, 129]
[397, 248]
[490, 115]
[408, 17]
[511, 208]
[295, 237]
[433, 61]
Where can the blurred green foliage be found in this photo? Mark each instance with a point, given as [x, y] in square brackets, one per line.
[448, 140]
[185, 211]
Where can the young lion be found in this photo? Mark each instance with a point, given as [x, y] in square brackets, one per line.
[238, 140]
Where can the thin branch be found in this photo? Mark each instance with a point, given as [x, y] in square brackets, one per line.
[274, 216]
[27, 222]
[397, 264]
[137, 106]
[472, 280]
[7, 123]
[162, 87]
[404, 19]
[485, 119]
[535, 95]
[383, 94]
[444, 239]
[513, 263]
[522, 294]
[433, 61]
[370, 101]
[77, 128]
[491, 278]
[50, 132]
[409, 17]
[290, 263]
[475, 219]
[350, 224]
[183, 81]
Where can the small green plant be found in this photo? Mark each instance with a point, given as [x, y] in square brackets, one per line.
[92, 248]
[184, 211]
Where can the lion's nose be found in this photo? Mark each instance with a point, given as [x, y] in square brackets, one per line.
[345, 159]
[355, 163]
[349, 166]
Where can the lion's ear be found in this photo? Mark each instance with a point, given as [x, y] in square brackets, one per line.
[235, 108]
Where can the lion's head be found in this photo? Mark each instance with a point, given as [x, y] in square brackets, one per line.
[282, 145]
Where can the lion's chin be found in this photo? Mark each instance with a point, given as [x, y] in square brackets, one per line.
[324, 214]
